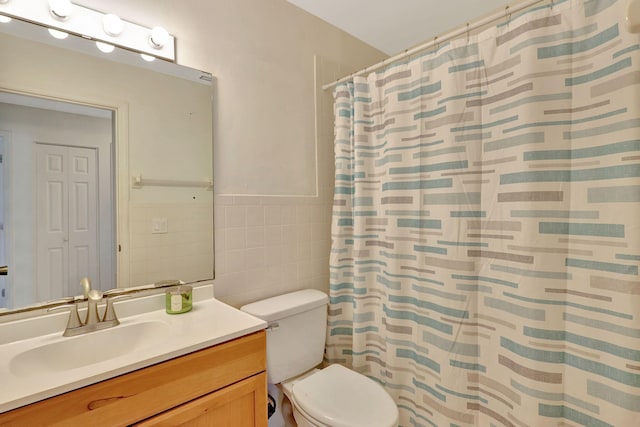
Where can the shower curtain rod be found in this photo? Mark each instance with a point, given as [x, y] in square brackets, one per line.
[508, 11]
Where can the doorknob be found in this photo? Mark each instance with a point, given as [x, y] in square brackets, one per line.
[4, 270]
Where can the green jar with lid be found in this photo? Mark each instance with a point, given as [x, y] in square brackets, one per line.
[179, 299]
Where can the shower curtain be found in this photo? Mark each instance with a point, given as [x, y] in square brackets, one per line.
[486, 240]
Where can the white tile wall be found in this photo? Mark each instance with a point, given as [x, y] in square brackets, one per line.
[264, 246]
[184, 252]
[283, 245]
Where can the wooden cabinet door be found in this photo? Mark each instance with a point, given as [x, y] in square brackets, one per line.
[243, 404]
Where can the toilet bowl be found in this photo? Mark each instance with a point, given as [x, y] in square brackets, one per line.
[339, 397]
[331, 397]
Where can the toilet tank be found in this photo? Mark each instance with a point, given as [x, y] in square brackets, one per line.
[296, 333]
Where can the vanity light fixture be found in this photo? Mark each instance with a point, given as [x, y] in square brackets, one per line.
[65, 16]
[147, 58]
[112, 24]
[158, 38]
[60, 9]
[105, 47]
[60, 35]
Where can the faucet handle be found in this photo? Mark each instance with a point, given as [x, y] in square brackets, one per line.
[110, 312]
[74, 319]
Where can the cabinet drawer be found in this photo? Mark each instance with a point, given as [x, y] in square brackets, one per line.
[243, 404]
[141, 394]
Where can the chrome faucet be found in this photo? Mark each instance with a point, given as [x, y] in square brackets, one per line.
[93, 321]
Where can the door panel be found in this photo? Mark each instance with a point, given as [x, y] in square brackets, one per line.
[67, 231]
[83, 221]
[81, 262]
[52, 208]
[55, 207]
[81, 211]
[56, 265]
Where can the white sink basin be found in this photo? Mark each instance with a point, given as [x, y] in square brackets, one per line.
[83, 350]
[37, 362]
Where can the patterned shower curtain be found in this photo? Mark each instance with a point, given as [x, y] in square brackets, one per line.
[486, 224]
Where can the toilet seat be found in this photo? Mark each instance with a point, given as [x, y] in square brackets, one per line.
[340, 397]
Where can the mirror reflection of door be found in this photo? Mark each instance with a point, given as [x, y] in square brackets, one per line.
[67, 206]
[58, 199]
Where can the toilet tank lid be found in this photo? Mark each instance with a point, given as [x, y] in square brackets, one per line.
[286, 305]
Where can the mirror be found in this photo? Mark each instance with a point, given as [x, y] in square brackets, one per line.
[105, 168]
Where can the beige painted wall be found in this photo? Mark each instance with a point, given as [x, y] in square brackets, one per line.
[261, 53]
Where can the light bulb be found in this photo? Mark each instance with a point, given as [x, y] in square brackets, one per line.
[4, 19]
[159, 37]
[147, 58]
[60, 9]
[112, 24]
[105, 47]
[60, 35]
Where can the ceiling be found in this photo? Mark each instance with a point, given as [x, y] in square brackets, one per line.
[395, 25]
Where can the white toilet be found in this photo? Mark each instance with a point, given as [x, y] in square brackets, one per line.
[331, 397]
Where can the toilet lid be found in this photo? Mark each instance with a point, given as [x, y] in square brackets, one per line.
[340, 397]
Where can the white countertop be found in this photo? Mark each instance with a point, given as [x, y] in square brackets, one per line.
[210, 322]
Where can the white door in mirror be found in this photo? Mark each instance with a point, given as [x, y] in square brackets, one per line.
[67, 234]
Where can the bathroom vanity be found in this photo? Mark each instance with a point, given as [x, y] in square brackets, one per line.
[222, 385]
[206, 367]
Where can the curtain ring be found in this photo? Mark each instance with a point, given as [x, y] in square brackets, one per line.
[468, 33]
[435, 43]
